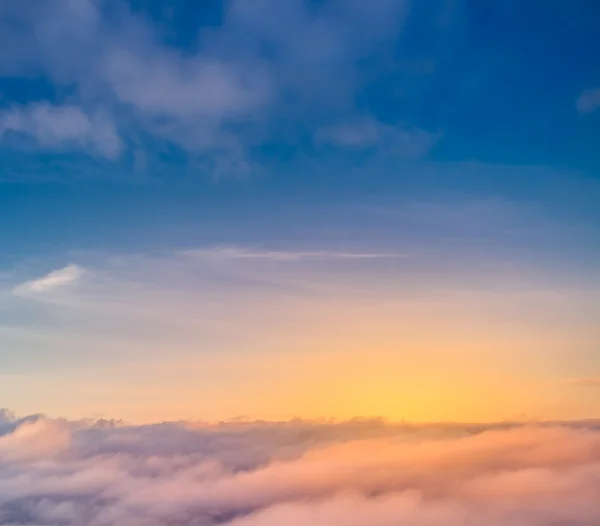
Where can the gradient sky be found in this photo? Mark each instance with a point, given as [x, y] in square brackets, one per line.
[315, 208]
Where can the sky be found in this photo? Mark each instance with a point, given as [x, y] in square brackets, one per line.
[308, 209]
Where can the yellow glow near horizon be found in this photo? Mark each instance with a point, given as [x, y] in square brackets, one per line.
[347, 351]
[311, 385]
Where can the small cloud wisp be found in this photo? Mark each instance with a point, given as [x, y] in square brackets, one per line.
[51, 281]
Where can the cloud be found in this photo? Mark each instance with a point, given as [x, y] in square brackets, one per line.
[212, 300]
[589, 101]
[371, 134]
[219, 96]
[298, 472]
[63, 127]
[35, 438]
[164, 84]
[52, 281]
[589, 381]
[189, 101]
[241, 253]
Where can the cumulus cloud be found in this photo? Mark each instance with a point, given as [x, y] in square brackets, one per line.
[299, 472]
[164, 84]
[51, 281]
[63, 127]
[220, 96]
[589, 101]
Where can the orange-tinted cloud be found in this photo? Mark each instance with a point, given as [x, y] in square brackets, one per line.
[297, 473]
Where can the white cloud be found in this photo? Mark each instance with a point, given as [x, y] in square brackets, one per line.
[219, 99]
[300, 472]
[64, 127]
[589, 101]
[52, 281]
[369, 133]
[164, 84]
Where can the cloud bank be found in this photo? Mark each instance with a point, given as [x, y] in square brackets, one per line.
[296, 473]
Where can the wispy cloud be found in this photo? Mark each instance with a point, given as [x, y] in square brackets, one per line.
[368, 133]
[589, 101]
[212, 300]
[63, 127]
[51, 281]
[287, 255]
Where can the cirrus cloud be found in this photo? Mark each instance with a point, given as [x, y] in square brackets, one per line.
[51, 281]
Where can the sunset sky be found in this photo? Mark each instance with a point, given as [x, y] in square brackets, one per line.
[268, 209]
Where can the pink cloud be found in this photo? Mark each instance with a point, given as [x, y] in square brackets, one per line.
[297, 473]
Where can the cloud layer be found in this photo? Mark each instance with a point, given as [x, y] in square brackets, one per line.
[296, 473]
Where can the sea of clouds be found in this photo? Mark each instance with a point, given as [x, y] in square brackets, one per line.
[298, 473]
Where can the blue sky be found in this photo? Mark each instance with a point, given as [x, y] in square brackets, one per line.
[335, 150]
